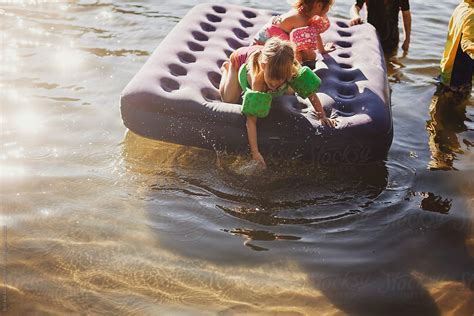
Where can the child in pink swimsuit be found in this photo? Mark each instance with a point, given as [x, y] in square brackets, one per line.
[301, 25]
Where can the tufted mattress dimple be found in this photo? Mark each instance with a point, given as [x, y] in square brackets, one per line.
[175, 98]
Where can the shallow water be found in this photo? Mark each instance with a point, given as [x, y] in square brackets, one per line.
[98, 220]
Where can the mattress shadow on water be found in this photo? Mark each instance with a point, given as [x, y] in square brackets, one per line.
[353, 233]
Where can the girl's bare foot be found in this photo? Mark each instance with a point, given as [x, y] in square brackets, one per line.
[225, 66]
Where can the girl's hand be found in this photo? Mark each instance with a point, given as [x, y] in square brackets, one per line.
[328, 47]
[259, 158]
[328, 122]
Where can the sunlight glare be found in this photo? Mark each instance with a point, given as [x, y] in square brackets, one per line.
[28, 122]
[67, 60]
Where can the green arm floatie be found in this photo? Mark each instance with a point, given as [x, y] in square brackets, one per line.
[306, 82]
[256, 103]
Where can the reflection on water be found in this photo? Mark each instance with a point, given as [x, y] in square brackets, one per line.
[448, 117]
[435, 203]
[262, 235]
[97, 222]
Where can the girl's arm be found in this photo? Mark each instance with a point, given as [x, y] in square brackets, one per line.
[324, 49]
[252, 137]
[318, 108]
[406, 15]
[257, 84]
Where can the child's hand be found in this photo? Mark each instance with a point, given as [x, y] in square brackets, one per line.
[356, 21]
[329, 47]
[259, 158]
[328, 122]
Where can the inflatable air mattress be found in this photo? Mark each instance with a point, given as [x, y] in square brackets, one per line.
[175, 98]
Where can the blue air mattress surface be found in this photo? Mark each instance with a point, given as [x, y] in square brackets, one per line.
[175, 98]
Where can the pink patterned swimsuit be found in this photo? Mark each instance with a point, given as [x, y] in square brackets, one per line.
[317, 25]
[306, 37]
[270, 30]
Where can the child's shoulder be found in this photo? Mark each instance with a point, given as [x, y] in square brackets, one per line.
[292, 19]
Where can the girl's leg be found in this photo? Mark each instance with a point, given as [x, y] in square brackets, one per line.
[229, 86]
[308, 55]
[299, 56]
[224, 73]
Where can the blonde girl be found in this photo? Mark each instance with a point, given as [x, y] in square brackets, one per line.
[270, 68]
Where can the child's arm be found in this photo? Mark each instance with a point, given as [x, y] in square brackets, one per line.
[324, 49]
[252, 137]
[406, 15]
[318, 108]
[355, 14]
[257, 85]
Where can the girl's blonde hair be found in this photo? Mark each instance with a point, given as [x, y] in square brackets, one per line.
[279, 57]
[305, 6]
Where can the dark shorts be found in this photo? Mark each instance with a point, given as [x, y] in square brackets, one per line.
[463, 69]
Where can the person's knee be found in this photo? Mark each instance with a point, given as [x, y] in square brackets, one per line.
[298, 56]
[307, 55]
[229, 97]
